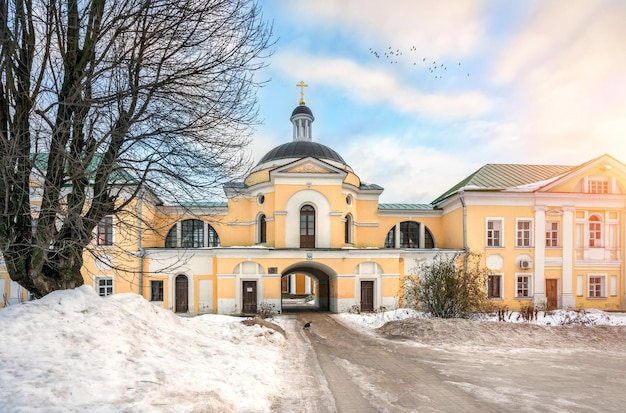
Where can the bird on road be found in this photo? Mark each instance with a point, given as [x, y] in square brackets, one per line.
[306, 325]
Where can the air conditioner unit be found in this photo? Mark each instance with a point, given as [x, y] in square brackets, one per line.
[525, 264]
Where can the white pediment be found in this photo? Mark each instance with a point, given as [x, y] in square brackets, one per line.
[609, 166]
[308, 166]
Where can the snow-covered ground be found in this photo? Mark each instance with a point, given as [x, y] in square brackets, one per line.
[73, 351]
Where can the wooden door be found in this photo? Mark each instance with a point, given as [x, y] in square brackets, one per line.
[182, 294]
[307, 227]
[249, 297]
[551, 294]
[367, 295]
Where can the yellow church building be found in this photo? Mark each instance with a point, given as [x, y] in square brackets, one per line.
[303, 224]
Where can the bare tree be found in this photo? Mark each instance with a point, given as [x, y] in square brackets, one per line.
[101, 98]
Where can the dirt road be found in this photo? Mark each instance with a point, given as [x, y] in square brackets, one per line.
[341, 370]
[365, 374]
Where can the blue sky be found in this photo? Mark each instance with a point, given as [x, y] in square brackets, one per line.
[541, 82]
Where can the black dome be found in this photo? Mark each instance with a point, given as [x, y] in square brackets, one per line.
[302, 109]
[302, 149]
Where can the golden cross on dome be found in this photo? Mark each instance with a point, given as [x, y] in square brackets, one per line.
[302, 85]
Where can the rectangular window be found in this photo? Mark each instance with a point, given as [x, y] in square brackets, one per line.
[156, 290]
[192, 233]
[597, 286]
[595, 234]
[104, 286]
[494, 233]
[597, 186]
[105, 231]
[524, 232]
[522, 285]
[493, 286]
[552, 234]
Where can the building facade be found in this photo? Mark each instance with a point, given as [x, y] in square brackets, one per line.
[303, 224]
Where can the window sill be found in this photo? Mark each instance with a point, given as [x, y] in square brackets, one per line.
[597, 298]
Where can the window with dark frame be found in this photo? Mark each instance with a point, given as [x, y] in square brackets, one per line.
[105, 286]
[307, 227]
[390, 240]
[493, 286]
[105, 231]
[523, 286]
[192, 235]
[171, 239]
[156, 290]
[262, 229]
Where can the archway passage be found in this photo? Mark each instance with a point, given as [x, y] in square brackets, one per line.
[305, 287]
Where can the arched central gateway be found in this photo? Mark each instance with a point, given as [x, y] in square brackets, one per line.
[306, 279]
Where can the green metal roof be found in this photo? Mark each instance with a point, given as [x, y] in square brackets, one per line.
[493, 177]
[203, 204]
[40, 161]
[405, 206]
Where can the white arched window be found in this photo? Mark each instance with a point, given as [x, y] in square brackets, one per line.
[348, 230]
[262, 229]
[595, 231]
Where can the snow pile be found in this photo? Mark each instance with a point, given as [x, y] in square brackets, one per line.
[375, 320]
[75, 351]
[591, 329]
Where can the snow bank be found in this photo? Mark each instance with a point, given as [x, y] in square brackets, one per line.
[75, 351]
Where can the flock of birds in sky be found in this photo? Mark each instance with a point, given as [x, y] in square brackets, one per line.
[438, 69]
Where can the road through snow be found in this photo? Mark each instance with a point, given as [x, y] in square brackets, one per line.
[363, 373]
[334, 368]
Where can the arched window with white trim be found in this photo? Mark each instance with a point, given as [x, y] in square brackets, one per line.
[307, 227]
[595, 231]
[262, 229]
[348, 229]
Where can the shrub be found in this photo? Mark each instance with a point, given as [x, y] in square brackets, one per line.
[452, 286]
[266, 310]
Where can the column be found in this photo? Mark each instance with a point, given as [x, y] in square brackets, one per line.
[307, 285]
[422, 236]
[539, 281]
[292, 284]
[568, 300]
[622, 256]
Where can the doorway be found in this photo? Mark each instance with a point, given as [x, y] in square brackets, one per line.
[367, 295]
[551, 294]
[249, 297]
[182, 294]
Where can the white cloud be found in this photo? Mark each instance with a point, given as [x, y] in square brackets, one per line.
[414, 174]
[436, 29]
[380, 87]
[567, 71]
